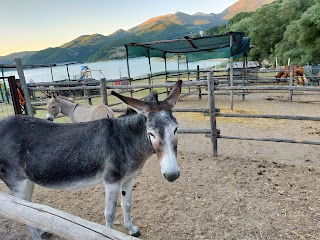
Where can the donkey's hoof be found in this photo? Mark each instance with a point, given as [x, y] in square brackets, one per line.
[135, 232]
[46, 235]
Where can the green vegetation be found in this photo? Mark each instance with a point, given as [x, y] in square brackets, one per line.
[283, 29]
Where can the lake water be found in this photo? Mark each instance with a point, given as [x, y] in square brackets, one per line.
[109, 69]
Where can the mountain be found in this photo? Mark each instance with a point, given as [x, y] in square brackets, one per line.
[52, 55]
[9, 59]
[244, 6]
[77, 50]
[97, 47]
[191, 23]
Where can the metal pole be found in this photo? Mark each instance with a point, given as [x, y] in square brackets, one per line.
[24, 87]
[68, 72]
[231, 73]
[165, 66]
[127, 58]
[51, 74]
[178, 67]
[5, 87]
[128, 68]
[188, 67]
[150, 69]
[198, 79]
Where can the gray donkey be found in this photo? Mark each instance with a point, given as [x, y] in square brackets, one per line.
[78, 155]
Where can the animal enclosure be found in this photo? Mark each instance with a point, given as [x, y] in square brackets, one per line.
[258, 190]
[252, 190]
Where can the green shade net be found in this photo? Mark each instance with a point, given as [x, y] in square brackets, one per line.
[217, 46]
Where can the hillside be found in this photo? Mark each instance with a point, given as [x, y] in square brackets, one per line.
[9, 59]
[192, 23]
[97, 47]
[244, 6]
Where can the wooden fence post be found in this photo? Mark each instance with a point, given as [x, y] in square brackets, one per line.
[87, 92]
[212, 112]
[291, 83]
[24, 87]
[103, 91]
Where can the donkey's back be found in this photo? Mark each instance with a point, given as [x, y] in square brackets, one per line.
[87, 113]
[52, 155]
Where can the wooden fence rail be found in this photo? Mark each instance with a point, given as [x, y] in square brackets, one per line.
[215, 88]
[136, 86]
[55, 221]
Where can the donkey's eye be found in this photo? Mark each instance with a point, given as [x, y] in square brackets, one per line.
[175, 131]
[53, 107]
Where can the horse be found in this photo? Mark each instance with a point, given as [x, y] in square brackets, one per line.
[298, 71]
[78, 155]
[76, 112]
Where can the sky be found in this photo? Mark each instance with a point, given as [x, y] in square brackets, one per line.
[29, 25]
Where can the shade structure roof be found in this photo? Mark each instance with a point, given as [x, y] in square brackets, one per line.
[231, 44]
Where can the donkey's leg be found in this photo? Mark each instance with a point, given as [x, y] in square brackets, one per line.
[24, 189]
[126, 194]
[112, 192]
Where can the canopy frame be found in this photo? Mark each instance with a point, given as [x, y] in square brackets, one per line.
[230, 45]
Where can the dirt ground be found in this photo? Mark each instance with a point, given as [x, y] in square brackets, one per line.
[252, 190]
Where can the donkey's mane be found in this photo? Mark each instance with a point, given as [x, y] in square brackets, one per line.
[67, 99]
[152, 97]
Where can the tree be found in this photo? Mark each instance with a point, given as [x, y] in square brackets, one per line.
[309, 28]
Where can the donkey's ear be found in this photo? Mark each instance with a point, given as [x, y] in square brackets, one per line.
[135, 104]
[174, 94]
[49, 95]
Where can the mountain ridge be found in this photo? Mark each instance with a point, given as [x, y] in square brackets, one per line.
[97, 47]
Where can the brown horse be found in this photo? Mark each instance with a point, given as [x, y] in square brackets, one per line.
[298, 71]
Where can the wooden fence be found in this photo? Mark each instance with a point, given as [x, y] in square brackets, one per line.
[56, 221]
[214, 86]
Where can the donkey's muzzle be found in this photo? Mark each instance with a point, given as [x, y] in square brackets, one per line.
[50, 119]
[172, 176]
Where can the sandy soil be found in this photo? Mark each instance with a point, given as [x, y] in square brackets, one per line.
[252, 190]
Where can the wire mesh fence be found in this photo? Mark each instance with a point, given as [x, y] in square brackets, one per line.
[6, 107]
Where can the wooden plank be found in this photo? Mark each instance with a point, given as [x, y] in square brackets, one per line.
[286, 88]
[103, 91]
[268, 116]
[55, 221]
[291, 83]
[284, 140]
[212, 112]
[196, 131]
[185, 84]
[160, 85]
